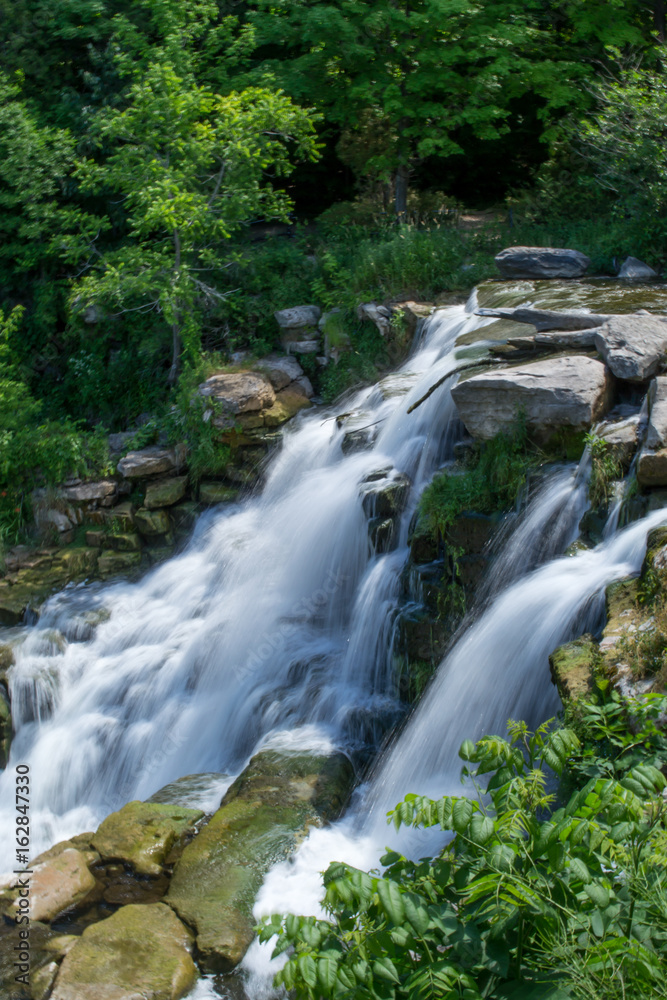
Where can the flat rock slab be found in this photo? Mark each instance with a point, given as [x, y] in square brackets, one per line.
[541, 262]
[652, 463]
[141, 952]
[236, 393]
[56, 885]
[545, 319]
[264, 814]
[90, 491]
[151, 462]
[561, 392]
[633, 346]
[281, 369]
[143, 833]
[580, 340]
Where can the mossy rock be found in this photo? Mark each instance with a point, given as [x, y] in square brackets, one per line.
[217, 493]
[115, 563]
[287, 404]
[31, 586]
[5, 727]
[142, 834]
[142, 950]
[573, 667]
[125, 542]
[152, 522]
[184, 516]
[10, 952]
[165, 492]
[264, 815]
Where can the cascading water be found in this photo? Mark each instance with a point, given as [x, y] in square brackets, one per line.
[276, 618]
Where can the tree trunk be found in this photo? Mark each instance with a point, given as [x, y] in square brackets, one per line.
[176, 345]
[402, 175]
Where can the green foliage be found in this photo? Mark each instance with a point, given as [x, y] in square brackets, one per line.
[522, 902]
[491, 478]
[605, 469]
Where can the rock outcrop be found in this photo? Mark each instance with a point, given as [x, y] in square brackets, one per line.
[151, 462]
[633, 346]
[545, 320]
[636, 270]
[571, 392]
[541, 262]
[652, 463]
[263, 816]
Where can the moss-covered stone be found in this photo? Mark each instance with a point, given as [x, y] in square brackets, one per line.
[125, 542]
[184, 516]
[217, 493]
[263, 816]
[152, 522]
[573, 667]
[5, 727]
[287, 404]
[165, 492]
[141, 951]
[115, 563]
[43, 576]
[36, 958]
[58, 883]
[143, 833]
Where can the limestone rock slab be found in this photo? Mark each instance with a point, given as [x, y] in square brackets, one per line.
[633, 346]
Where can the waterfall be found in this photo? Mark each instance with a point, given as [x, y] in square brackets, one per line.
[275, 619]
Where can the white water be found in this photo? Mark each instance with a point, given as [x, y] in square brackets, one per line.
[275, 620]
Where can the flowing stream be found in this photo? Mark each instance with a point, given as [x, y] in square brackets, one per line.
[275, 627]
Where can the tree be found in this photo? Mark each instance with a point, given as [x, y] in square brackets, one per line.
[426, 70]
[190, 167]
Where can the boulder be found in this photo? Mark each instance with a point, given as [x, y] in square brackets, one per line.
[217, 493]
[264, 814]
[545, 319]
[165, 492]
[141, 952]
[561, 392]
[633, 346]
[385, 497]
[288, 403]
[298, 317]
[235, 393]
[302, 346]
[573, 667]
[622, 439]
[636, 270]
[652, 463]
[122, 541]
[541, 262]
[151, 462]
[32, 961]
[281, 369]
[143, 833]
[152, 522]
[6, 729]
[380, 315]
[579, 340]
[90, 491]
[56, 884]
[193, 791]
[118, 442]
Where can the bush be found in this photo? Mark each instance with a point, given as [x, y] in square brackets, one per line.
[523, 903]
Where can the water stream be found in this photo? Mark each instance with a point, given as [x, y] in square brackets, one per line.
[275, 626]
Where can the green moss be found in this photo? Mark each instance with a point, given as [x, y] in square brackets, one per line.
[143, 834]
[573, 667]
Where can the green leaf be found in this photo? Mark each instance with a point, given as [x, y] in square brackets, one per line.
[482, 829]
[598, 893]
[462, 814]
[308, 970]
[327, 969]
[391, 900]
[385, 969]
[580, 870]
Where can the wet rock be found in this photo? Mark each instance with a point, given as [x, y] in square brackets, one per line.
[298, 317]
[386, 497]
[217, 493]
[90, 491]
[138, 952]
[165, 492]
[237, 393]
[545, 319]
[636, 270]
[573, 667]
[652, 464]
[151, 462]
[114, 563]
[125, 887]
[541, 262]
[194, 791]
[152, 522]
[633, 346]
[472, 532]
[184, 516]
[266, 812]
[622, 438]
[56, 884]
[382, 534]
[143, 833]
[561, 392]
[41, 577]
[12, 950]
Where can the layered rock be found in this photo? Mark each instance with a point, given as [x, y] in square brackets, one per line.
[572, 392]
[652, 463]
[541, 262]
[141, 951]
[633, 346]
[151, 462]
[263, 816]
[545, 319]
